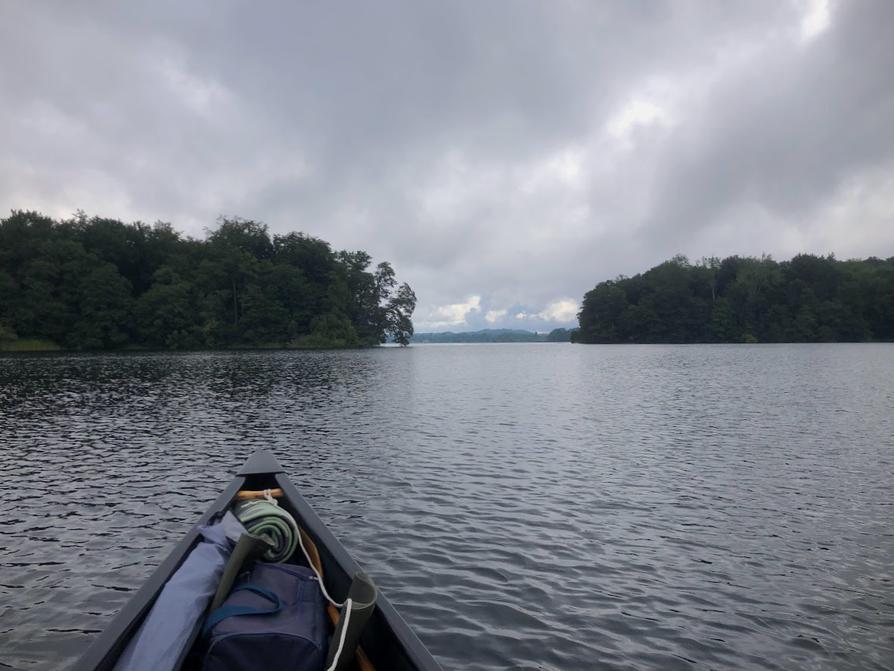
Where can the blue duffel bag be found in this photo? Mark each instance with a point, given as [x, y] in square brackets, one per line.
[274, 618]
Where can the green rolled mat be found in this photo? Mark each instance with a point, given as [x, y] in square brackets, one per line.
[264, 518]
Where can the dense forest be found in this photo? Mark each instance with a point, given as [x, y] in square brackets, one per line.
[95, 283]
[807, 299]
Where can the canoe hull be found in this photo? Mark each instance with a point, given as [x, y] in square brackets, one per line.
[387, 639]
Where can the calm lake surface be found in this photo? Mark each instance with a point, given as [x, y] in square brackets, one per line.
[543, 506]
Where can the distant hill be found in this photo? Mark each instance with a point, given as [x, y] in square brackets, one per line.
[490, 335]
[485, 335]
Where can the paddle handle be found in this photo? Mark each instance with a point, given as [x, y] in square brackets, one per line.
[248, 494]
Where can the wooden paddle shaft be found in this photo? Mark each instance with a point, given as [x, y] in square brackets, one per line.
[363, 662]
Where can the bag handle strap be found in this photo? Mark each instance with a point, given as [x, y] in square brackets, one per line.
[222, 613]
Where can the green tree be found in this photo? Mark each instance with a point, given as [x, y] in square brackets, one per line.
[104, 310]
[601, 313]
[398, 313]
[807, 299]
[166, 316]
[93, 282]
[559, 335]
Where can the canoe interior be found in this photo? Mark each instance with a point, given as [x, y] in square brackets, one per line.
[387, 639]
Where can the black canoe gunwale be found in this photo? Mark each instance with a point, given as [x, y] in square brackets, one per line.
[386, 636]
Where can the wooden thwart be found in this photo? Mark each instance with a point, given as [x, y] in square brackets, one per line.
[249, 494]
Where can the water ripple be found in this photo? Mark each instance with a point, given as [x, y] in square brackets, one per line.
[525, 506]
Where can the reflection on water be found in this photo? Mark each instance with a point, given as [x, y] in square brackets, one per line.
[525, 506]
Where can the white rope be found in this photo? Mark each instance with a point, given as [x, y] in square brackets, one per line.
[319, 577]
[344, 633]
[347, 603]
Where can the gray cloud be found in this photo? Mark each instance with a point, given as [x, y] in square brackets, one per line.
[517, 153]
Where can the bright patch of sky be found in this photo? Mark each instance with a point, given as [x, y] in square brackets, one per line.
[636, 113]
[563, 310]
[454, 314]
[817, 18]
[493, 316]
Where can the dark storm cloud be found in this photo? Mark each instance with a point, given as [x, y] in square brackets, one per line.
[505, 156]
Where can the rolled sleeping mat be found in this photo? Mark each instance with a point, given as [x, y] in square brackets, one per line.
[362, 595]
[264, 518]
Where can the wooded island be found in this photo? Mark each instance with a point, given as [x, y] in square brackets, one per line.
[90, 283]
[807, 299]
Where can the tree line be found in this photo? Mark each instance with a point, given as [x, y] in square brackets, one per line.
[97, 283]
[741, 299]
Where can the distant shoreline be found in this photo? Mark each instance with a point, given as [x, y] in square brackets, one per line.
[51, 348]
[492, 336]
[55, 349]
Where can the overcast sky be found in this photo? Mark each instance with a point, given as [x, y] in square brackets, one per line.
[504, 156]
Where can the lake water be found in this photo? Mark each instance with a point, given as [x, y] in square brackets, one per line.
[543, 506]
